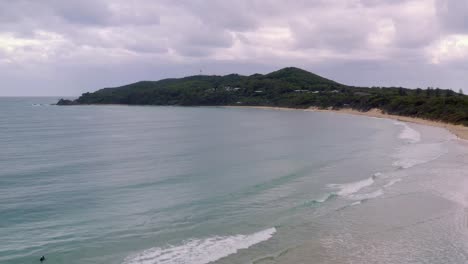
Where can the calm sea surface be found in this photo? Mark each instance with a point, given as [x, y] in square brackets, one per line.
[128, 185]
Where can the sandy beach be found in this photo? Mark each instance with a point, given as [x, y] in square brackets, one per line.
[458, 130]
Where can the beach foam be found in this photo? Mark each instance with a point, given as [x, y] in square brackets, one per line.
[378, 175]
[416, 152]
[392, 182]
[412, 155]
[325, 198]
[347, 189]
[408, 134]
[200, 251]
[367, 196]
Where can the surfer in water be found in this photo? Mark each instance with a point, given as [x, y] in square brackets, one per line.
[42, 259]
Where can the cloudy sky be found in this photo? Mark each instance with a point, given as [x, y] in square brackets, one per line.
[59, 47]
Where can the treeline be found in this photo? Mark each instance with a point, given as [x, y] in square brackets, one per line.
[289, 87]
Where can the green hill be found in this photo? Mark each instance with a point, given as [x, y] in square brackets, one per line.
[288, 87]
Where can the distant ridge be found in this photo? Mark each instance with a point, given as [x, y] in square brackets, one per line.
[287, 87]
[292, 74]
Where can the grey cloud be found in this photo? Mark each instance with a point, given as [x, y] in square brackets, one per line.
[341, 37]
[453, 15]
[415, 33]
[14, 11]
[243, 15]
[117, 41]
[146, 47]
[194, 51]
[206, 37]
[375, 3]
[57, 15]
[88, 12]
[233, 15]
[199, 40]
[194, 45]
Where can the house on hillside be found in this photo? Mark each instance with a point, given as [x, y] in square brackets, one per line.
[362, 93]
[301, 91]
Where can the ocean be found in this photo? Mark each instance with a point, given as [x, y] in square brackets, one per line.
[154, 185]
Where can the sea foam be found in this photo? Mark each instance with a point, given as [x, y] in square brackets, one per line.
[412, 155]
[347, 189]
[415, 153]
[200, 251]
[408, 134]
[367, 196]
[392, 182]
[324, 198]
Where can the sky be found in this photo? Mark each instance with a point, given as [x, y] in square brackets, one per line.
[65, 48]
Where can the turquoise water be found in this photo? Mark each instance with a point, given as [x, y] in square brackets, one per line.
[120, 184]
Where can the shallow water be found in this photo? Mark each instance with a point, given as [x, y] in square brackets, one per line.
[119, 184]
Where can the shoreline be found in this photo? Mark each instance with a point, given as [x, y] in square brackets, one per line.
[461, 132]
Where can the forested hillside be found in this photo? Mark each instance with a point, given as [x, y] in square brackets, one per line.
[288, 87]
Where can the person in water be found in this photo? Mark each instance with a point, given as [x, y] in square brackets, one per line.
[42, 259]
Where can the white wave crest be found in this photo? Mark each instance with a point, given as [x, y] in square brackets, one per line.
[408, 134]
[392, 182]
[325, 198]
[347, 189]
[367, 196]
[200, 251]
[378, 175]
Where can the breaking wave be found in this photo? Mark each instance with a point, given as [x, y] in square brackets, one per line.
[367, 196]
[348, 189]
[200, 251]
[325, 198]
[392, 182]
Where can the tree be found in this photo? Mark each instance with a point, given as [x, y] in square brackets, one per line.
[401, 91]
[286, 88]
[429, 91]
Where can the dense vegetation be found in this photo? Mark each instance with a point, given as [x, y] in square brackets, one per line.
[289, 87]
